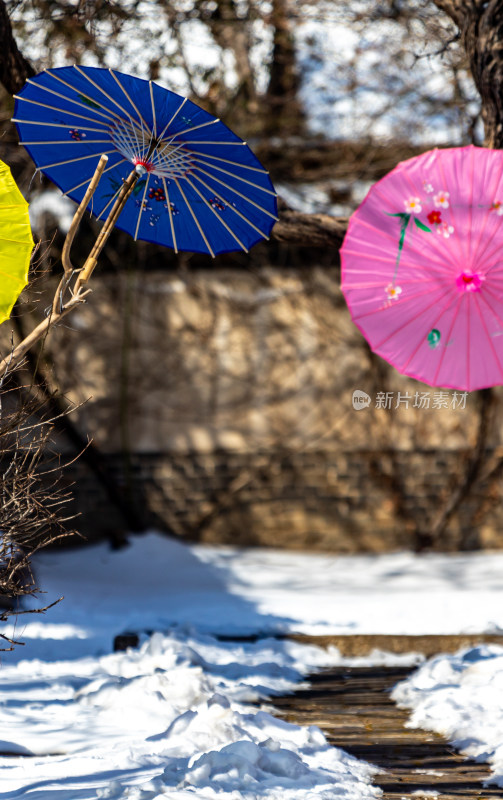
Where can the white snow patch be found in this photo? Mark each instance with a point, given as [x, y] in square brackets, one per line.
[186, 714]
[53, 202]
[461, 697]
[171, 717]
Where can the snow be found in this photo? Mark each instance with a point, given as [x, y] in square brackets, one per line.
[363, 77]
[187, 714]
[183, 715]
[54, 203]
[461, 697]
[157, 582]
[166, 720]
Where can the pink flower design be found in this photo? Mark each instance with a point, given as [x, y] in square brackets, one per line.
[498, 207]
[413, 205]
[445, 230]
[441, 200]
[428, 188]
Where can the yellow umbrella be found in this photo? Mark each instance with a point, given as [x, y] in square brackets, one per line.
[16, 242]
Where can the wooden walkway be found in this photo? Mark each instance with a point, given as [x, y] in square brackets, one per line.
[353, 707]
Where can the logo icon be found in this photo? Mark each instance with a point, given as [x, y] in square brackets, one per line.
[360, 399]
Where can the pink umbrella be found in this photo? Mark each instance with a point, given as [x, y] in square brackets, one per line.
[422, 268]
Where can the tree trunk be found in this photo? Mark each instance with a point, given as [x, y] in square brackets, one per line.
[14, 68]
[284, 113]
[481, 27]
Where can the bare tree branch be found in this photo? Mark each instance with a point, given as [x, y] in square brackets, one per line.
[310, 230]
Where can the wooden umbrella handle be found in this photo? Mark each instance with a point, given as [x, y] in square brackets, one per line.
[65, 256]
[91, 261]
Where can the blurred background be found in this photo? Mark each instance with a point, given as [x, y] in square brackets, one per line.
[217, 395]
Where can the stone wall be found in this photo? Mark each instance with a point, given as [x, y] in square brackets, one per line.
[229, 395]
[354, 501]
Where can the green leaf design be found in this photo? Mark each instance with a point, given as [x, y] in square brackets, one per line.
[405, 217]
[421, 226]
[139, 186]
[88, 101]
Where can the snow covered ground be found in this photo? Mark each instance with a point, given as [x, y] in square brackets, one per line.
[186, 714]
[461, 697]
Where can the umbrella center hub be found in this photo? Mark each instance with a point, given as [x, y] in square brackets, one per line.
[165, 157]
[469, 281]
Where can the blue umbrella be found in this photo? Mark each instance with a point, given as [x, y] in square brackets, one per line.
[183, 179]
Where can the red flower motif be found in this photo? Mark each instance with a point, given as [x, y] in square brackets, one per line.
[435, 217]
[157, 194]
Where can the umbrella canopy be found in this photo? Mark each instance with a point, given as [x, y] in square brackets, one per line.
[201, 188]
[422, 268]
[16, 242]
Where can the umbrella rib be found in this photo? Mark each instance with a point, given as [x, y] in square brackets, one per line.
[125, 137]
[65, 141]
[194, 217]
[153, 108]
[73, 160]
[261, 170]
[59, 125]
[195, 128]
[171, 222]
[483, 255]
[462, 259]
[483, 297]
[488, 217]
[142, 121]
[172, 118]
[212, 177]
[84, 183]
[489, 337]
[61, 110]
[140, 212]
[488, 264]
[133, 122]
[107, 112]
[113, 198]
[243, 180]
[388, 235]
[160, 153]
[441, 359]
[470, 227]
[105, 94]
[229, 205]
[408, 321]
[403, 300]
[216, 142]
[391, 260]
[217, 215]
[421, 340]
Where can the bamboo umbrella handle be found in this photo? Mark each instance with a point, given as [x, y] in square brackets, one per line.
[65, 256]
[88, 268]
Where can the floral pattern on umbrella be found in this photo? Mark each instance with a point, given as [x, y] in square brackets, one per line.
[422, 270]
